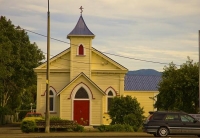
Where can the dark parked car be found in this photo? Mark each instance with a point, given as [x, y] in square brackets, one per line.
[163, 123]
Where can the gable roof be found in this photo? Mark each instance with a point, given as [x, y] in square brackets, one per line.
[109, 59]
[142, 82]
[53, 58]
[80, 29]
[82, 74]
[59, 55]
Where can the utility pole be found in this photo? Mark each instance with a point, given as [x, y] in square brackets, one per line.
[47, 118]
[199, 71]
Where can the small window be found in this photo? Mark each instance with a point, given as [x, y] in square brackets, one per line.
[51, 100]
[81, 50]
[110, 93]
[187, 118]
[81, 93]
[109, 100]
[172, 117]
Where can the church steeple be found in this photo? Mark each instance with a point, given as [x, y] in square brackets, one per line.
[80, 29]
[80, 49]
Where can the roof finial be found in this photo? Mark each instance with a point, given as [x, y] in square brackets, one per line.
[81, 8]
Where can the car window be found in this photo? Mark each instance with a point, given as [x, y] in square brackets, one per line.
[158, 116]
[172, 117]
[187, 118]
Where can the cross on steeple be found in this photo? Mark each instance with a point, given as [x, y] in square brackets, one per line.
[81, 8]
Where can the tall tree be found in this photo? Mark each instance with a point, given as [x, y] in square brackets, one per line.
[179, 88]
[18, 57]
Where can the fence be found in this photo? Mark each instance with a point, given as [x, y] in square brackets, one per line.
[8, 119]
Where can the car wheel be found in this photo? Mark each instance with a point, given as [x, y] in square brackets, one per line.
[163, 131]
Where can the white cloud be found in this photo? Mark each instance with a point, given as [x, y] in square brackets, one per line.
[161, 31]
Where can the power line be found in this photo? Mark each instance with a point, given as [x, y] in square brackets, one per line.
[46, 36]
[150, 61]
[137, 59]
[74, 61]
[107, 76]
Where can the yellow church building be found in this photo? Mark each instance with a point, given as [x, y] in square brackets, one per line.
[83, 82]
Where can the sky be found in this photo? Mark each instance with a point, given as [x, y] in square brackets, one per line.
[138, 34]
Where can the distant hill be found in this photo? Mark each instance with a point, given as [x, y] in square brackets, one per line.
[145, 72]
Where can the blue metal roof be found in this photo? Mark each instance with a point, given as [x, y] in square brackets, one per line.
[142, 82]
[80, 29]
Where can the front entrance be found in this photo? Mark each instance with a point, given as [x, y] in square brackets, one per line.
[81, 112]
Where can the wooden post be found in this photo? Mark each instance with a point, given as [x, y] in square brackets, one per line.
[47, 118]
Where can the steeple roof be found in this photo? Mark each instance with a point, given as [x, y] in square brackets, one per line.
[80, 29]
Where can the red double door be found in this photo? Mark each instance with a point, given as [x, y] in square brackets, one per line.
[81, 112]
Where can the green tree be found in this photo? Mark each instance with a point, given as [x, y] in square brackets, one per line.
[18, 57]
[124, 108]
[179, 88]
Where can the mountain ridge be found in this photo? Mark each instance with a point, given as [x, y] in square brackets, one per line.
[144, 72]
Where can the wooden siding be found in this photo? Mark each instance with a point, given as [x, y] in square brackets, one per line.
[40, 107]
[104, 81]
[65, 106]
[95, 107]
[96, 111]
[80, 63]
[61, 62]
[144, 100]
[101, 63]
[58, 82]
[106, 118]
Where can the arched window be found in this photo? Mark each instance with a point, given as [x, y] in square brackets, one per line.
[81, 91]
[110, 94]
[81, 94]
[81, 50]
[110, 97]
[51, 101]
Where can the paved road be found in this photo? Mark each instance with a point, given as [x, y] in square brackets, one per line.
[15, 132]
[119, 137]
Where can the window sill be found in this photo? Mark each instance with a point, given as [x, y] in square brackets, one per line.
[51, 112]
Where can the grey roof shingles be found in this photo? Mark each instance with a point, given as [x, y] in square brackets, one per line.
[142, 82]
[80, 29]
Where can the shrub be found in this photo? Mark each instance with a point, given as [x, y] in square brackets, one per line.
[121, 128]
[115, 128]
[101, 128]
[126, 110]
[128, 128]
[28, 126]
[55, 118]
[78, 128]
[133, 120]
